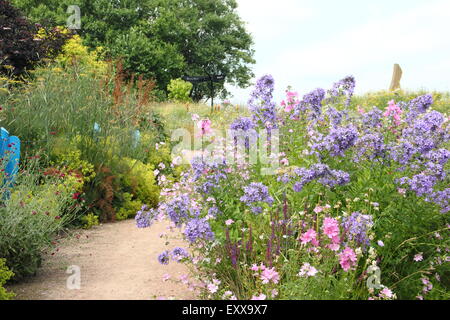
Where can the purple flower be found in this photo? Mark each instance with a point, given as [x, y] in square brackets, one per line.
[442, 199]
[311, 102]
[163, 258]
[198, 229]
[345, 87]
[421, 184]
[338, 141]
[357, 226]
[322, 173]
[144, 218]
[179, 210]
[371, 146]
[179, 254]
[419, 105]
[261, 104]
[255, 193]
[244, 127]
[373, 118]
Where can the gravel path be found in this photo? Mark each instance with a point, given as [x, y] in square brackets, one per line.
[116, 260]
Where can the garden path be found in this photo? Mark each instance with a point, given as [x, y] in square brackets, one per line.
[116, 260]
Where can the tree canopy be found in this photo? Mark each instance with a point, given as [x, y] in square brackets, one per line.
[161, 39]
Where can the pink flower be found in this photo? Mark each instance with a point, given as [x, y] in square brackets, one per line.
[394, 111]
[334, 246]
[318, 209]
[380, 243]
[284, 161]
[309, 236]
[360, 110]
[195, 117]
[260, 297]
[274, 293]
[229, 222]
[330, 227]
[418, 257]
[184, 278]
[386, 293]
[212, 287]
[347, 259]
[307, 271]
[254, 267]
[205, 126]
[270, 275]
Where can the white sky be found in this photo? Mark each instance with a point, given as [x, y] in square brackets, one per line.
[309, 44]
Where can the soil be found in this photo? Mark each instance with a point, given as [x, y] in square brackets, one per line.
[116, 261]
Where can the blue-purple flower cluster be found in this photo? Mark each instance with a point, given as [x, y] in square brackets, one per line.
[179, 210]
[323, 174]
[254, 194]
[179, 254]
[357, 226]
[208, 174]
[198, 229]
[261, 104]
[145, 217]
[345, 87]
[311, 103]
[338, 140]
[163, 258]
[246, 127]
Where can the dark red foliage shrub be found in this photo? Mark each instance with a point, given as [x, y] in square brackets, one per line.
[19, 46]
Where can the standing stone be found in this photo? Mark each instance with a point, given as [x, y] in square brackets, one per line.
[396, 77]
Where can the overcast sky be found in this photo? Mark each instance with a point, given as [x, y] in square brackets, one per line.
[313, 43]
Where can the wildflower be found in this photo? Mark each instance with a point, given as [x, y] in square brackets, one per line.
[393, 111]
[144, 218]
[195, 117]
[274, 293]
[255, 193]
[229, 222]
[254, 267]
[166, 277]
[380, 243]
[260, 297]
[307, 271]
[261, 104]
[330, 228]
[357, 226]
[205, 127]
[212, 287]
[386, 293]
[163, 258]
[269, 275]
[309, 236]
[347, 259]
[418, 257]
[179, 253]
[198, 229]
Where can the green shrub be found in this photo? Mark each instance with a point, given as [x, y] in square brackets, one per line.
[179, 90]
[138, 179]
[5, 275]
[38, 207]
[90, 220]
[128, 207]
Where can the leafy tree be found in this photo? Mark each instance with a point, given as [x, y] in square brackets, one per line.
[21, 44]
[162, 39]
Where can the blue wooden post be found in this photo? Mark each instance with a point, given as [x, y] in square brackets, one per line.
[10, 153]
[137, 138]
